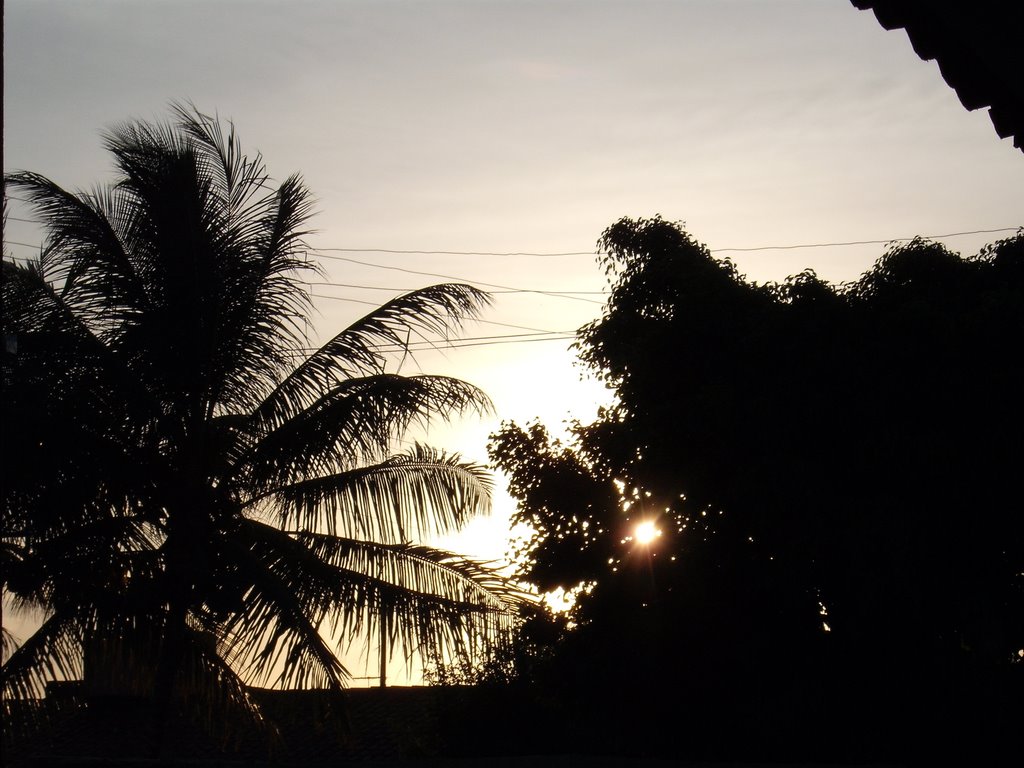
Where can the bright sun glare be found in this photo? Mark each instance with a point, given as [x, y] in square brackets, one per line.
[646, 532]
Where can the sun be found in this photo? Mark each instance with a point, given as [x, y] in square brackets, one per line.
[646, 532]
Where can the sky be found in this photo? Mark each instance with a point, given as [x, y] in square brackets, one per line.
[492, 127]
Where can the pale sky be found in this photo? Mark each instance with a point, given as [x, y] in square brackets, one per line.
[501, 126]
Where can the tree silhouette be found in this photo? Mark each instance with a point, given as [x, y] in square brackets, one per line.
[198, 499]
[833, 474]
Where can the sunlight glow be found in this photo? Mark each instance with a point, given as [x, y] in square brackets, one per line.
[646, 532]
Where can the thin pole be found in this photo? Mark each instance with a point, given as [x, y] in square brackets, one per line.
[383, 652]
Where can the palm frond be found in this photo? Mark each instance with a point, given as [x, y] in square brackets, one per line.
[263, 303]
[435, 311]
[409, 496]
[276, 629]
[32, 306]
[429, 600]
[84, 255]
[8, 644]
[56, 347]
[355, 421]
[237, 178]
[53, 652]
[419, 569]
[213, 689]
[263, 229]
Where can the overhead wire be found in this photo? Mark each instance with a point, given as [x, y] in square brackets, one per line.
[445, 344]
[575, 295]
[394, 289]
[319, 252]
[714, 250]
[469, 341]
[426, 344]
[732, 249]
[537, 334]
[331, 253]
[865, 242]
[476, 320]
[455, 253]
[746, 249]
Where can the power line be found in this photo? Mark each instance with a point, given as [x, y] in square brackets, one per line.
[865, 242]
[393, 289]
[425, 252]
[455, 253]
[510, 289]
[451, 277]
[469, 341]
[566, 295]
[460, 345]
[476, 320]
[571, 295]
[749, 249]
[426, 343]
[595, 253]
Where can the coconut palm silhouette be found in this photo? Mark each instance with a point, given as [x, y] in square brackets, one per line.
[197, 498]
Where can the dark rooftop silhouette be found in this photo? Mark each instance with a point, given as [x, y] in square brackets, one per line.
[977, 47]
[315, 727]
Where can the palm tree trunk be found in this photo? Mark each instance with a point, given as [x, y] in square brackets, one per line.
[170, 653]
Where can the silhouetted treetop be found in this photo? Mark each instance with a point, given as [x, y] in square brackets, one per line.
[859, 438]
[832, 474]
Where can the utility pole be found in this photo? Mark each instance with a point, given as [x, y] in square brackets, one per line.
[383, 651]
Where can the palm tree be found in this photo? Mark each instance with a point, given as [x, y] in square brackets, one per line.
[192, 488]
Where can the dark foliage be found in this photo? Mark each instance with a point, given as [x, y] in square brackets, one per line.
[834, 473]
